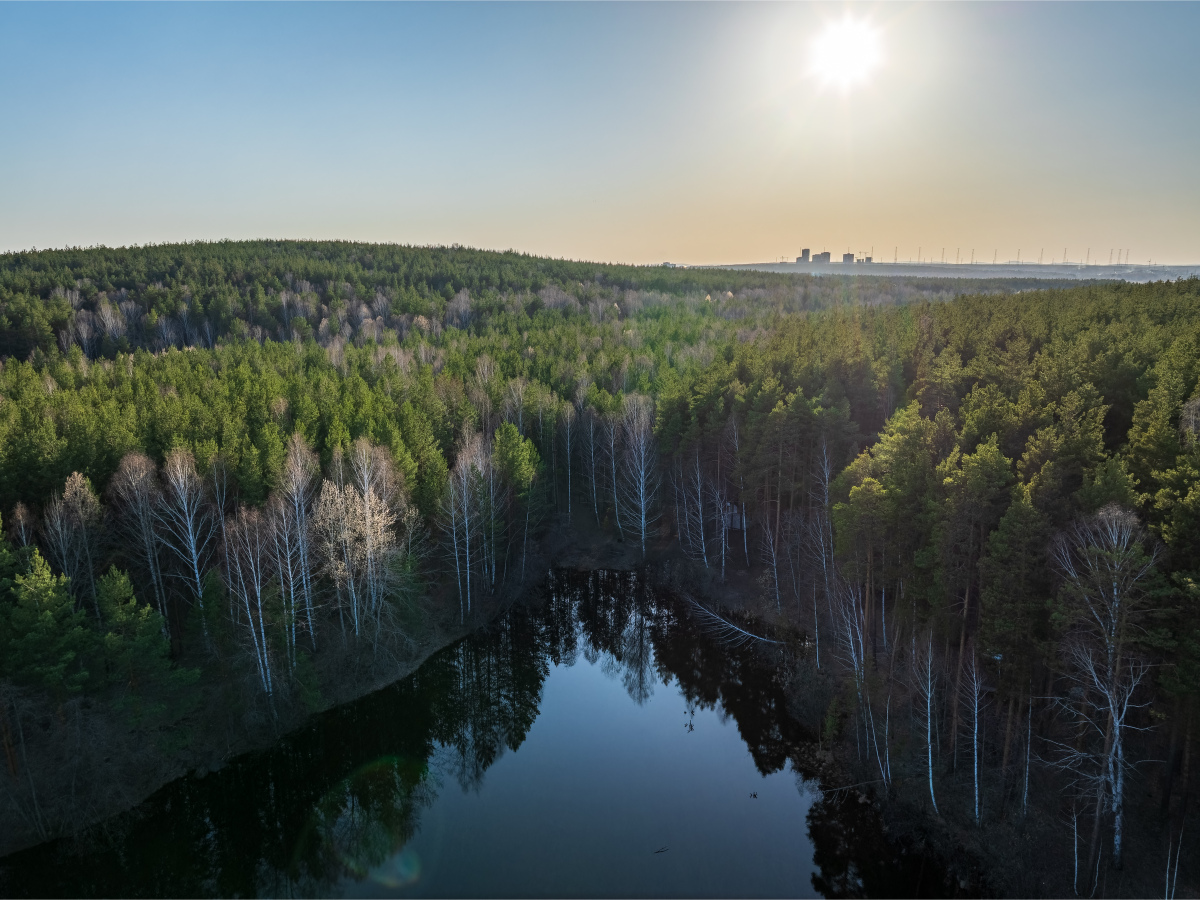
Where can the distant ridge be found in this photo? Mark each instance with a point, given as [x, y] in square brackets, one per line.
[1073, 272]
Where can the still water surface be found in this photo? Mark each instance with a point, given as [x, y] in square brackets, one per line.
[594, 741]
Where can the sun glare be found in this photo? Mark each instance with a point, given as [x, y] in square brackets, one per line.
[845, 53]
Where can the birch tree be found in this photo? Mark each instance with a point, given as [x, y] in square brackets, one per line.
[640, 471]
[296, 487]
[248, 576]
[333, 525]
[514, 402]
[137, 496]
[612, 447]
[378, 507]
[567, 419]
[187, 522]
[1104, 568]
[769, 552]
[733, 440]
[717, 496]
[924, 675]
[23, 524]
[285, 561]
[973, 698]
[690, 490]
[71, 526]
[355, 522]
[592, 450]
[461, 514]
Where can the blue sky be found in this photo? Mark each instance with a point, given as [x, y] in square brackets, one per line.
[630, 132]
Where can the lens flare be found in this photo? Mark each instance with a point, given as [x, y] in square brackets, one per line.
[404, 868]
[845, 53]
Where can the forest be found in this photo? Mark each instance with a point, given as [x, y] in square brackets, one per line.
[255, 467]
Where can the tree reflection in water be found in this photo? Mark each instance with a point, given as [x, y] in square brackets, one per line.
[341, 798]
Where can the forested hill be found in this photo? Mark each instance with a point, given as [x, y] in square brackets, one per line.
[247, 466]
[154, 297]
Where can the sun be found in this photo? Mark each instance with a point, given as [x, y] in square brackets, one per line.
[846, 53]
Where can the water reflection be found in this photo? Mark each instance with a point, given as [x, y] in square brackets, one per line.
[338, 803]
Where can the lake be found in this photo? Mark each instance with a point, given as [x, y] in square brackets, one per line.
[599, 738]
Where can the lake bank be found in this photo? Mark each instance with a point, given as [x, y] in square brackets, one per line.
[600, 687]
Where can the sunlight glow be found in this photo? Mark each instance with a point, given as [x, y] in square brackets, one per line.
[845, 53]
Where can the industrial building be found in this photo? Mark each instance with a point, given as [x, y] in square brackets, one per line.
[807, 257]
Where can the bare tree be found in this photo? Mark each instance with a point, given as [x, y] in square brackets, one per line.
[248, 576]
[566, 417]
[690, 489]
[924, 674]
[852, 646]
[460, 514]
[458, 310]
[135, 489]
[514, 403]
[85, 332]
[592, 449]
[332, 524]
[285, 561]
[769, 551]
[819, 530]
[733, 440]
[612, 447]
[640, 483]
[296, 486]
[793, 534]
[379, 508]
[481, 391]
[71, 526]
[167, 335]
[188, 522]
[1104, 567]
[355, 522]
[222, 495]
[717, 493]
[111, 319]
[973, 697]
[22, 525]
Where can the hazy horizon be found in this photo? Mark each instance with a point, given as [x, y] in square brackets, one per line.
[623, 133]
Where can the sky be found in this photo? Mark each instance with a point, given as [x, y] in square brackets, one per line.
[620, 132]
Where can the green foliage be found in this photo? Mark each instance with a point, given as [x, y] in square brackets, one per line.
[516, 458]
[1018, 584]
[136, 653]
[47, 640]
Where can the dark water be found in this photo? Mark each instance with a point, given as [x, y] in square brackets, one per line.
[594, 741]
